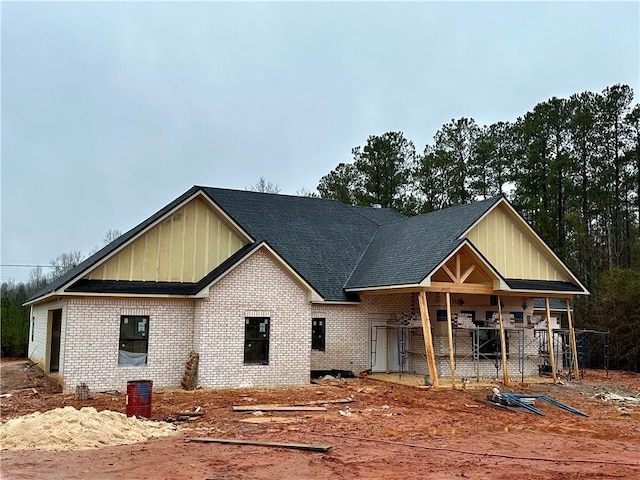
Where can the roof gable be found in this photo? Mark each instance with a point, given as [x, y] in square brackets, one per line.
[516, 250]
[404, 253]
[183, 247]
[110, 249]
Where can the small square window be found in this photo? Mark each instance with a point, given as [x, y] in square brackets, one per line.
[441, 315]
[318, 334]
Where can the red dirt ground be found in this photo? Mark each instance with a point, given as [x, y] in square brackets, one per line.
[393, 432]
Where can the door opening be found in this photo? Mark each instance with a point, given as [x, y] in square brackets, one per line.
[54, 347]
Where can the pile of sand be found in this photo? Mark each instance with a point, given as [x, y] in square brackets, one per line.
[70, 429]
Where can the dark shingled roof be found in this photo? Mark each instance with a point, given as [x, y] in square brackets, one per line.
[332, 246]
[406, 252]
[542, 285]
[555, 304]
[321, 239]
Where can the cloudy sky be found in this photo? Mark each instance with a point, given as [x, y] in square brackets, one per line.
[111, 110]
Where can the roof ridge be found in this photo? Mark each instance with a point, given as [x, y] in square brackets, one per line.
[278, 194]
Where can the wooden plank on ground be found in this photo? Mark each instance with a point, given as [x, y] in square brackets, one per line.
[322, 402]
[276, 408]
[295, 446]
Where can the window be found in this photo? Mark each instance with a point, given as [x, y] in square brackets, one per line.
[441, 315]
[317, 334]
[486, 341]
[134, 340]
[518, 317]
[256, 340]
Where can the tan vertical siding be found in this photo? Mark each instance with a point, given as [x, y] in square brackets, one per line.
[183, 248]
[513, 251]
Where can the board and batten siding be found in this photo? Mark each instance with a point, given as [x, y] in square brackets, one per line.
[184, 247]
[514, 252]
[40, 330]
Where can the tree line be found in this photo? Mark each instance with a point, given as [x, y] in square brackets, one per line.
[570, 166]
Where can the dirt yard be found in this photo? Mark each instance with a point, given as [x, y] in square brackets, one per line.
[388, 431]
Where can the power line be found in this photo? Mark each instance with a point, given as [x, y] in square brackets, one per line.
[29, 266]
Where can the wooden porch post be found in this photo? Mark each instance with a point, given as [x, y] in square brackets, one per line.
[452, 363]
[428, 341]
[572, 340]
[503, 346]
[552, 357]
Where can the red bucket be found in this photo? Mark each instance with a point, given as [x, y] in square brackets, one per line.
[139, 398]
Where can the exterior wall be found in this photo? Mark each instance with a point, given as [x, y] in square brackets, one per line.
[514, 252]
[39, 331]
[92, 337]
[348, 330]
[257, 287]
[183, 248]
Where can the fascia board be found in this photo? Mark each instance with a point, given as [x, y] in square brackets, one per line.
[382, 287]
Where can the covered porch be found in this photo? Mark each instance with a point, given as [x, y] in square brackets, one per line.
[466, 324]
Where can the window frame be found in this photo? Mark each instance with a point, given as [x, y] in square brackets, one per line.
[319, 339]
[138, 338]
[251, 339]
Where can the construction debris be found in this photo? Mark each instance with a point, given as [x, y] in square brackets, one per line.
[527, 401]
[295, 446]
[609, 396]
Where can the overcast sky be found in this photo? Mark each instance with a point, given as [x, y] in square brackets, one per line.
[111, 110]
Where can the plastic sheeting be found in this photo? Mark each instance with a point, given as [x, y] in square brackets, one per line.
[131, 359]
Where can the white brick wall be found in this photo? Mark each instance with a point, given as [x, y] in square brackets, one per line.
[214, 327]
[257, 287]
[92, 338]
[348, 330]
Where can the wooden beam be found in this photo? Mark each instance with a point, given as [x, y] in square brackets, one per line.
[466, 274]
[276, 408]
[458, 267]
[503, 346]
[296, 446]
[450, 273]
[471, 288]
[552, 357]
[572, 340]
[452, 360]
[428, 340]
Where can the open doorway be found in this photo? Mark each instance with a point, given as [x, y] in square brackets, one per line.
[54, 346]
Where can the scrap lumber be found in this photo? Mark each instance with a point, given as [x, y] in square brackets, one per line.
[190, 370]
[295, 446]
[323, 402]
[276, 408]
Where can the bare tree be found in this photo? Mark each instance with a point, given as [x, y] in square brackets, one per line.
[264, 186]
[110, 236]
[65, 262]
[303, 192]
[37, 279]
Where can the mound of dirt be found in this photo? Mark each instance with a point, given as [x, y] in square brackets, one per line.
[70, 429]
